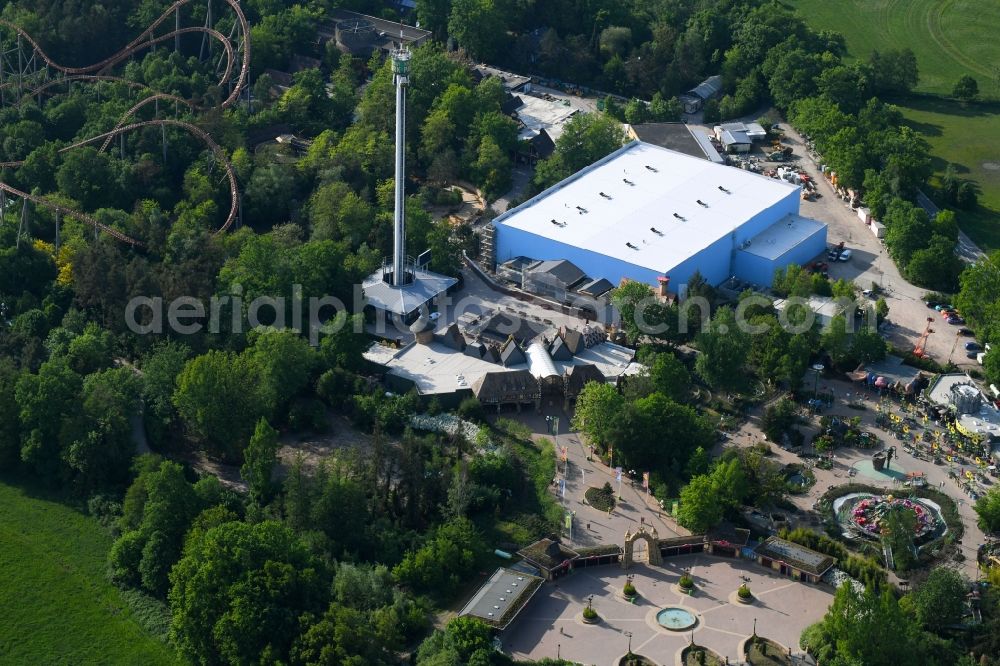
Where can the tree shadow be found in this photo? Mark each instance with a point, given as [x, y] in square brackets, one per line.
[926, 129]
[947, 106]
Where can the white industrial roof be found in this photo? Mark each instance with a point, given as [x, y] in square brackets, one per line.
[782, 236]
[436, 368]
[824, 306]
[646, 187]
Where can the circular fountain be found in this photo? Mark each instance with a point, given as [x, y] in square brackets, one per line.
[675, 618]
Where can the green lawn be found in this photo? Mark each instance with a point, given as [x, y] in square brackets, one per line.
[56, 606]
[950, 38]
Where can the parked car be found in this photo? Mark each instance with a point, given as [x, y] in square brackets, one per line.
[973, 347]
[434, 316]
[943, 306]
[966, 332]
[972, 355]
[949, 313]
[932, 305]
[955, 321]
[868, 293]
[845, 255]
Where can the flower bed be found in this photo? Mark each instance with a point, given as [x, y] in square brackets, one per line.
[696, 655]
[602, 499]
[868, 513]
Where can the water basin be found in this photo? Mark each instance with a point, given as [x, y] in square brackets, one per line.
[797, 480]
[674, 618]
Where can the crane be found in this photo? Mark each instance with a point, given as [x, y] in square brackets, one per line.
[922, 342]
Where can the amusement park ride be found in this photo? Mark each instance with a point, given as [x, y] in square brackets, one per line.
[27, 73]
[918, 350]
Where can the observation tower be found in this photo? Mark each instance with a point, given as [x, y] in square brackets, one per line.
[403, 288]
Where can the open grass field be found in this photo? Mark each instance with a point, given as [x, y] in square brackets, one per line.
[56, 606]
[950, 38]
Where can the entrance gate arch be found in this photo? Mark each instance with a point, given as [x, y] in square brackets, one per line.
[652, 540]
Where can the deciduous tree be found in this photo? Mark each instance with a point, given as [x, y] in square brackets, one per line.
[241, 591]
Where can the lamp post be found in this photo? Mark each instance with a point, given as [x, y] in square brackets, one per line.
[629, 634]
[817, 369]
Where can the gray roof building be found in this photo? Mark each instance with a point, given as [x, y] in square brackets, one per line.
[707, 89]
[502, 597]
[676, 136]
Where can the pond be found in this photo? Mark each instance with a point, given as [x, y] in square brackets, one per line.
[675, 618]
[797, 479]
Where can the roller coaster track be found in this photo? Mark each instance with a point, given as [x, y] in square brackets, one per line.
[222, 39]
[94, 73]
[83, 217]
[146, 40]
[143, 102]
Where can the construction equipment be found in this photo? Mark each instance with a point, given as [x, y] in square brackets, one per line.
[918, 351]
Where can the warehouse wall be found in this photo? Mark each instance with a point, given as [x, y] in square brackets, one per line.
[715, 262]
[767, 217]
[760, 270]
[512, 242]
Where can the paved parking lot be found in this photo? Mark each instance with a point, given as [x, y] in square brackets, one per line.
[551, 625]
[870, 264]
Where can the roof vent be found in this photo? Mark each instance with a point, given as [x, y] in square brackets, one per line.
[653, 169]
[724, 189]
[630, 246]
[581, 209]
[656, 231]
[628, 182]
[557, 222]
[606, 196]
[679, 217]
[702, 203]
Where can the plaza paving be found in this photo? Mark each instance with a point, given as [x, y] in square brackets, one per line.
[551, 623]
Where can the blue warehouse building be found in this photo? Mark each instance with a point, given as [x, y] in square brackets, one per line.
[647, 213]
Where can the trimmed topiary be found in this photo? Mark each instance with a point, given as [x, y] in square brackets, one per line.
[685, 583]
[629, 590]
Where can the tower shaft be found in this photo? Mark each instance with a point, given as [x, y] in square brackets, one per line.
[399, 215]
